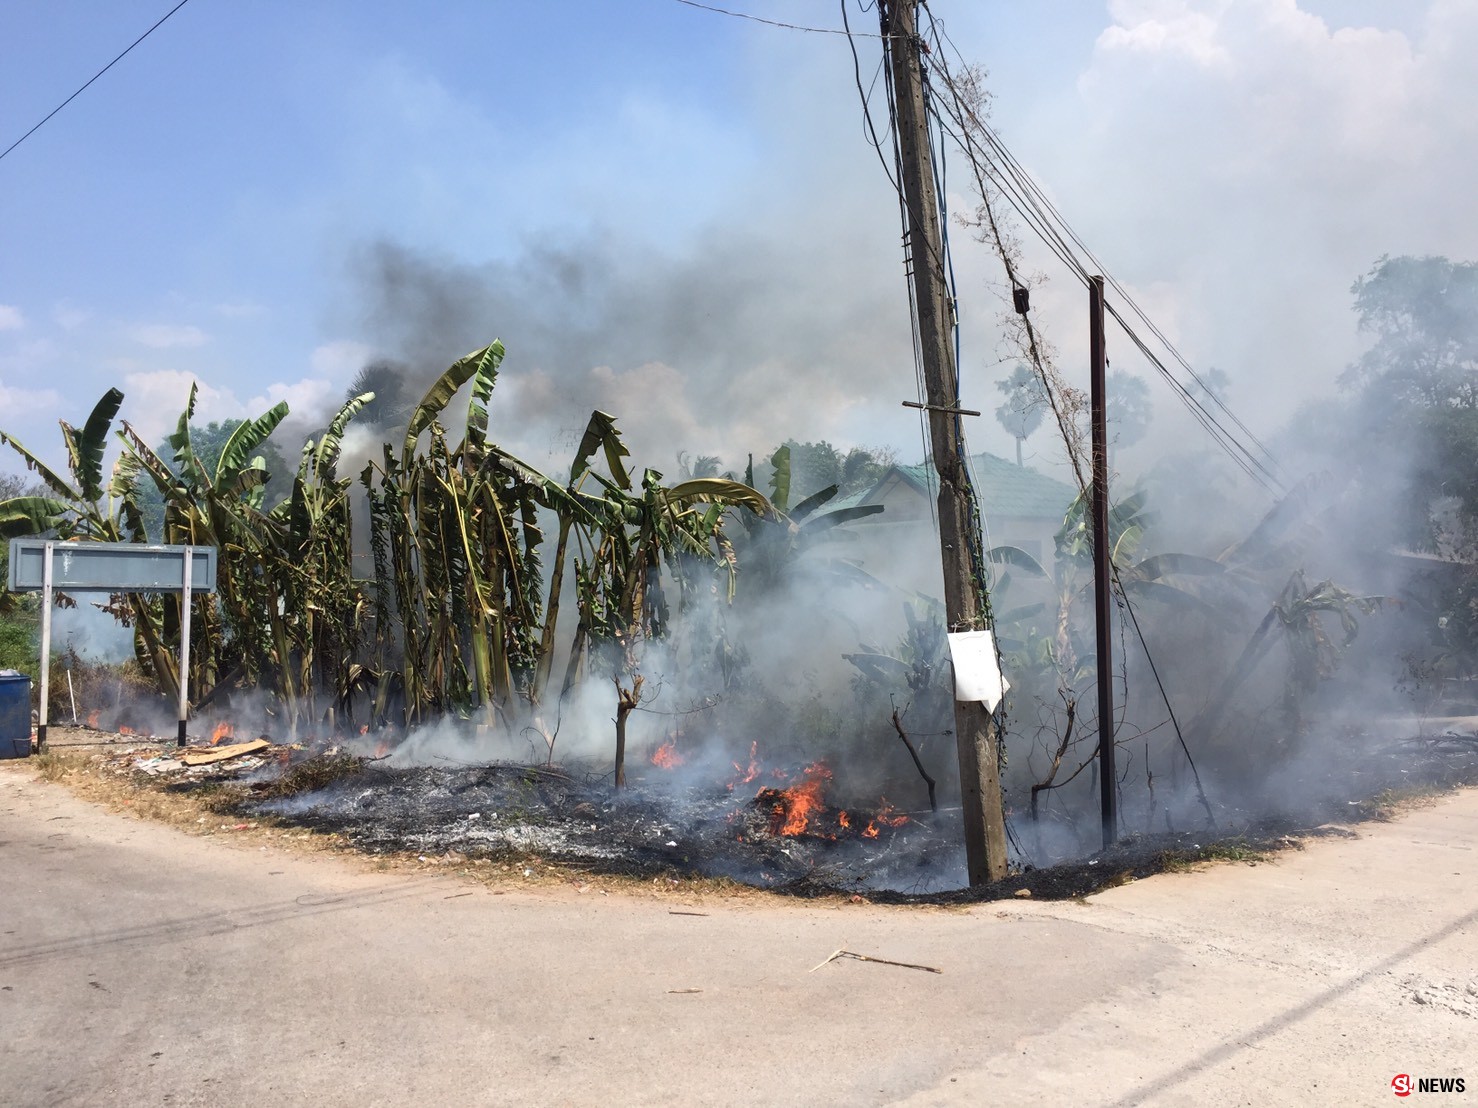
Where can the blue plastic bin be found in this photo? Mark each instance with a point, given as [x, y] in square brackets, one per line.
[15, 715]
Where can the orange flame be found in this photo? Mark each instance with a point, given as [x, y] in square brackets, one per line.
[793, 806]
[221, 731]
[890, 815]
[745, 776]
[666, 756]
[887, 815]
[124, 729]
[93, 717]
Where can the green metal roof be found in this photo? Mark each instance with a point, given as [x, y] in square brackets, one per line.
[1005, 489]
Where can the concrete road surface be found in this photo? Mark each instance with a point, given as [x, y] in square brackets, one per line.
[142, 966]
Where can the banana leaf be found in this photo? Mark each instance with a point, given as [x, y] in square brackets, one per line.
[326, 457]
[814, 501]
[477, 407]
[780, 478]
[249, 435]
[1158, 565]
[86, 449]
[1015, 556]
[601, 434]
[49, 477]
[720, 490]
[31, 515]
[439, 395]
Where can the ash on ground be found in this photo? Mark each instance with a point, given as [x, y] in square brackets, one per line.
[659, 827]
[512, 810]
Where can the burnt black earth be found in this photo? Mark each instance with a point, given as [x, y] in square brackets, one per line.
[572, 816]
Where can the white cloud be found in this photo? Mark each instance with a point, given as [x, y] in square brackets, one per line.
[155, 398]
[341, 359]
[68, 316]
[28, 359]
[1261, 160]
[309, 400]
[11, 318]
[167, 336]
[21, 405]
[241, 309]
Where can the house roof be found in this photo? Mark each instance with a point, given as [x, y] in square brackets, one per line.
[1005, 489]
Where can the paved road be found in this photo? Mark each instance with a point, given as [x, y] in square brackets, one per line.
[143, 966]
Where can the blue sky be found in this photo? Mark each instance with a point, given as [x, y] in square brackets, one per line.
[672, 214]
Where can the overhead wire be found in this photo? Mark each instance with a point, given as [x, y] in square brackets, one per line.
[895, 177]
[1025, 197]
[1037, 209]
[777, 23]
[94, 77]
[1034, 200]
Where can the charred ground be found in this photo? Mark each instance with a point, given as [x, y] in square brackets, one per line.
[571, 819]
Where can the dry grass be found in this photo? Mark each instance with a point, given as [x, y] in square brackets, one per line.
[1390, 803]
[1228, 850]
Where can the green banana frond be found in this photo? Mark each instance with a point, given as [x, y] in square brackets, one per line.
[49, 477]
[780, 478]
[326, 456]
[31, 515]
[477, 407]
[601, 434]
[1015, 556]
[249, 435]
[440, 394]
[85, 449]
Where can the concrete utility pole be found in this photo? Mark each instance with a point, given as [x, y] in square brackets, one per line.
[1108, 783]
[976, 737]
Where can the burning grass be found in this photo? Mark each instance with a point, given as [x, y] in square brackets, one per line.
[762, 827]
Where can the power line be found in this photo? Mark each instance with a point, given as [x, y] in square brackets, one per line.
[1026, 197]
[95, 76]
[777, 23]
[1047, 226]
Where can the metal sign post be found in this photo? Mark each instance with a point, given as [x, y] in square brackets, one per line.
[185, 606]
[112, 567]
[45, 646]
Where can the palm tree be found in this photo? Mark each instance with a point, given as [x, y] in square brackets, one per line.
[1026, 401]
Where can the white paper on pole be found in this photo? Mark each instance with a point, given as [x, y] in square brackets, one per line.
[978, 676]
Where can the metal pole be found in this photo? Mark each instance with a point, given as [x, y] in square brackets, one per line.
[185, 607]
[45, 647]
[1102, 553]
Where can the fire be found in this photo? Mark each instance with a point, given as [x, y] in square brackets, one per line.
[890, 815]
[745, 776]
[124, 729]
[93, 717]
[222, 731]
[887, 815]
[667, 756]
[793, 806]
